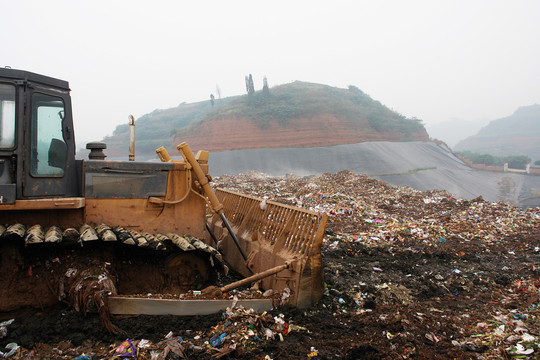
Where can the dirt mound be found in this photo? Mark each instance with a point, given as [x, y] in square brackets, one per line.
[409, 275]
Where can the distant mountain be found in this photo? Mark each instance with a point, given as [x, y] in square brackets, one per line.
[454, 130]
[518, 134]
[298, 114]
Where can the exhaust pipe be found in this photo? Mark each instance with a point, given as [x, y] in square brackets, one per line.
[131, 138]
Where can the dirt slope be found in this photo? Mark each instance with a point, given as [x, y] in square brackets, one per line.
[230, 133]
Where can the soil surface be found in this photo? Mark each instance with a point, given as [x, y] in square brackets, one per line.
[408, 274]
[230, 133]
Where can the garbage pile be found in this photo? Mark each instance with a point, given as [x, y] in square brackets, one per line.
[422, 265]
[408, 275]
[239, 328]
[375, 213]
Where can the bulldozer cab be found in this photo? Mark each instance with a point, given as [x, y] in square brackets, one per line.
[37, 146]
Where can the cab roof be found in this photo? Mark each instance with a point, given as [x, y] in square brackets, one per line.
[27, 76]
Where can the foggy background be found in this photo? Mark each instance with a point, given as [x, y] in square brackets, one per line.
[439, 61]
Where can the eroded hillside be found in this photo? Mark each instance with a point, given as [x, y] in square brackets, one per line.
[298, 114]
[231, 133]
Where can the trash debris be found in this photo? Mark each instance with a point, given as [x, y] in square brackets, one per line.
[3, 327]
[313, 353]
[216, 341]
[126, 349]
[9, 350]
[84, 357]
[521, 350]
[172, 346]
[432, 337]
[406, 272]
[144, 344]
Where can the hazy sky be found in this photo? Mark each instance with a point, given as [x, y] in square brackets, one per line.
[435, 60]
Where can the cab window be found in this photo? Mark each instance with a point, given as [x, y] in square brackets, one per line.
[7, 116]
[49, 150]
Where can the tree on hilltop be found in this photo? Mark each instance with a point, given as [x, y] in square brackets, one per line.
[266, 90]
[250, 88]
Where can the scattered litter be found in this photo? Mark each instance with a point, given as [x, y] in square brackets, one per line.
[216, 341]
[3, 327]
[84, 357]
[313, 352]
[521, 350]
[432, 337]
[9, 350]
[126, 349]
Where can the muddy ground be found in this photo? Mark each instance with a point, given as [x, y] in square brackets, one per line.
[409, 275]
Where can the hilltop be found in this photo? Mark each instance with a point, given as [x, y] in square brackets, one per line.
[517, 134]
[297, 114]
[301, 114]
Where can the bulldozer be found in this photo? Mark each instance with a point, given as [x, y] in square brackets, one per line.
[123, 233]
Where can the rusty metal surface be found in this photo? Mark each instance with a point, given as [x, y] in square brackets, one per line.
[273, 235]
[41, 204]
[293, 228]
[187, 217]
[44, 217]
[143, 306]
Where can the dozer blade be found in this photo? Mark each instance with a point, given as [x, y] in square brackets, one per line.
[273, 235]
[140, 306]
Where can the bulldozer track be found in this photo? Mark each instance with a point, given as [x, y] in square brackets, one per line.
[87, 234]
[78, 265]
